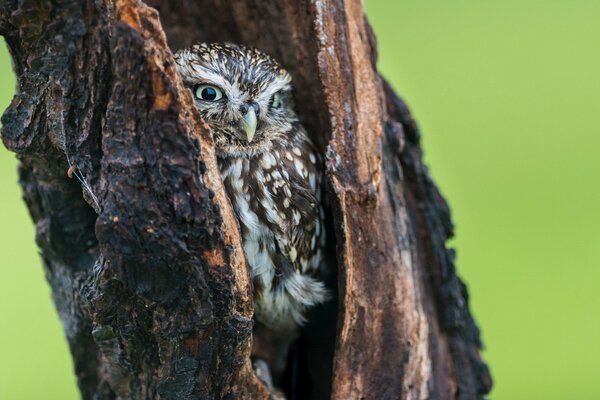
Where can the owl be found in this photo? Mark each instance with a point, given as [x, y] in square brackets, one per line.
[271, 172]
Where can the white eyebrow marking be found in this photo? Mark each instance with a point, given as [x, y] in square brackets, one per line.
[195, 68]
[210, 76]
[280, 83]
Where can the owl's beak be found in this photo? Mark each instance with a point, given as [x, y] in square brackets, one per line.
[249, 123]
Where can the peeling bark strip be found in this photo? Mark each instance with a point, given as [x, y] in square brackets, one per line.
[141, 247]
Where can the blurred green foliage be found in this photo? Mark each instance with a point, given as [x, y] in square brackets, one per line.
[507, 96]
[34, 359]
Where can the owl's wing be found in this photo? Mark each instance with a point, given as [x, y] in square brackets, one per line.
[298, 235]
[306, 203]
[295, 223]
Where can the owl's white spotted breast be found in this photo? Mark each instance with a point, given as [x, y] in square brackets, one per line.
[276, 196]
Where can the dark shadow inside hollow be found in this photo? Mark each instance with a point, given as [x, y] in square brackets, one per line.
[284, 30]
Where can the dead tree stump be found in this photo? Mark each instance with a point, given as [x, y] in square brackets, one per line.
[139, 241]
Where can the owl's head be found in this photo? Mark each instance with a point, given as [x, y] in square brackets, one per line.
[242, 94]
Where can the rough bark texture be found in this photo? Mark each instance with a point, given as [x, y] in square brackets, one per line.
[139, 241]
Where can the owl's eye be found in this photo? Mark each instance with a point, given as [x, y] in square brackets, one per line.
[208, 93]
[276, 100]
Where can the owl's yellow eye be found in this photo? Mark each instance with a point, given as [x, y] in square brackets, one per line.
[208, 93]
[276, 100]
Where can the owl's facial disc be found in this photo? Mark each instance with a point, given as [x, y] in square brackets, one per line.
[212, 97]
[241, 93]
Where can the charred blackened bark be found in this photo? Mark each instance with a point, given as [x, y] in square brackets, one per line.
[139, 241]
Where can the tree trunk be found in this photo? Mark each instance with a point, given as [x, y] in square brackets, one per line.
[139, 241]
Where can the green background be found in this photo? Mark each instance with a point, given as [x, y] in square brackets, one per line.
[507, 96]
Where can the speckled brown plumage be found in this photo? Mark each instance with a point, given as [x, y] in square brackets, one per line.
[271, 172]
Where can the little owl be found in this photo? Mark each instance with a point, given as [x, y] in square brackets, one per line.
[271, 173]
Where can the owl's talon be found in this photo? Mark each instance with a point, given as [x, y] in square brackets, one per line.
[262, 370]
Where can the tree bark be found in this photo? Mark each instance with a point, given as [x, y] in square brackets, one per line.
[139, 241]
